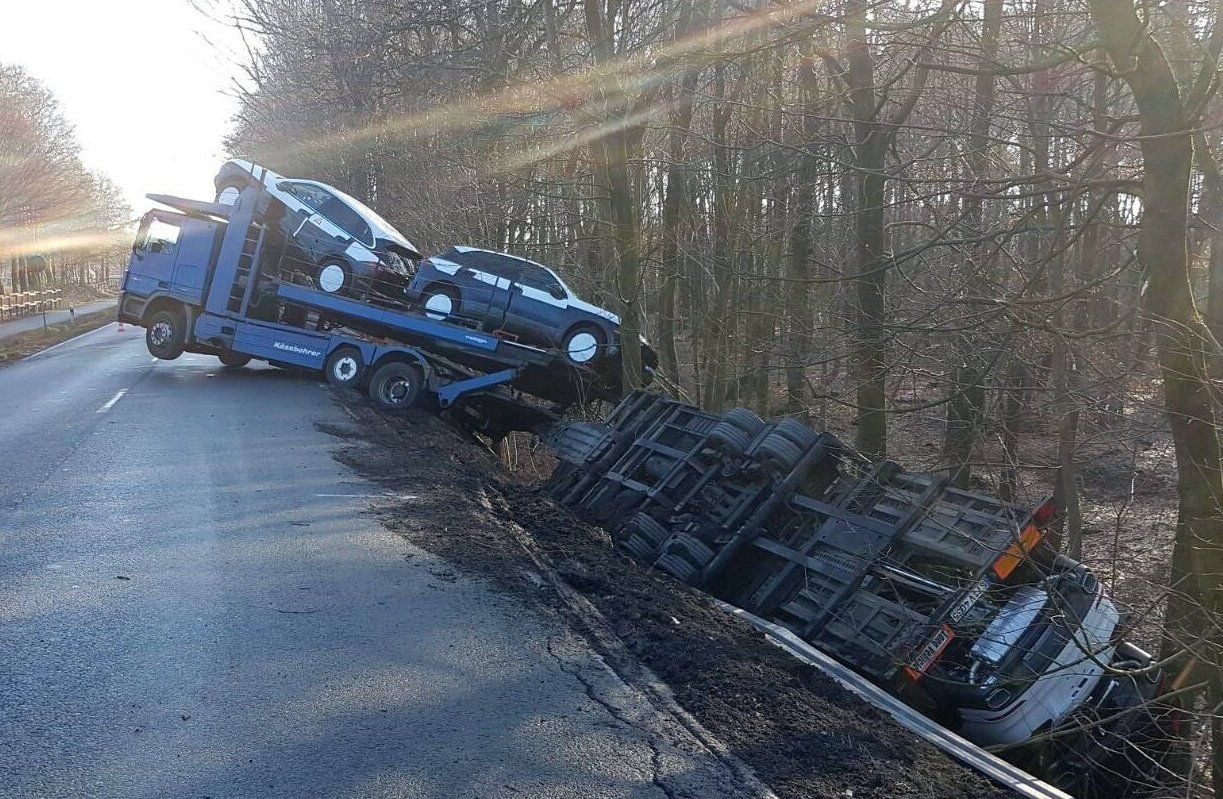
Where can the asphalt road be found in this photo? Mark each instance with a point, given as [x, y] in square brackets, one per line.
[193, 605]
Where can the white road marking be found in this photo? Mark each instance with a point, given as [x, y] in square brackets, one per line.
[110, 403]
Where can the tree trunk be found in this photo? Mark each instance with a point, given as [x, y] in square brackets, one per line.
[965, 410]
[870, 360]
[798, 261]
[1180, 333]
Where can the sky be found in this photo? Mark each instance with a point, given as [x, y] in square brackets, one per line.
[143, 81]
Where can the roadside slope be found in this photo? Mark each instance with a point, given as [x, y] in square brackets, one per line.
[802, 734]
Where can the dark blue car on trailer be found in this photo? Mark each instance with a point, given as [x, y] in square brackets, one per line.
[519, 298]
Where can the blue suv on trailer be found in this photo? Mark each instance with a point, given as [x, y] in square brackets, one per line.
[526, 300]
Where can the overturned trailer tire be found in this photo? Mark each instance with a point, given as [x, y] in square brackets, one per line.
[642, 536]
[684, 557]
[777, 452]
[729, 439]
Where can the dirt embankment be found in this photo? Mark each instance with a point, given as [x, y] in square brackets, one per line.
[802, 733]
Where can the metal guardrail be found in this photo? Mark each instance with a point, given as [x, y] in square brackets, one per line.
[968, 753]
[28, 303]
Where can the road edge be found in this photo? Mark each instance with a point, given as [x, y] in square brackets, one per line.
[587, 619]
[105, 322]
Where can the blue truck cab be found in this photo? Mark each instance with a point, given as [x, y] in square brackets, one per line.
[205, 278]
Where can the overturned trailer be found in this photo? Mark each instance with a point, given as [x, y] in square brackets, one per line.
[954, 601]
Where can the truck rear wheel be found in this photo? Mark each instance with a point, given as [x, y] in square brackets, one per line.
[345, 367]
[396, 386]
[166, 335]
[233, 360]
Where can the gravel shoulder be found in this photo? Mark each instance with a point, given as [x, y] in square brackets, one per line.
[799, 731]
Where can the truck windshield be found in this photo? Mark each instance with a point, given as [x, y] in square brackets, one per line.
[159, 237]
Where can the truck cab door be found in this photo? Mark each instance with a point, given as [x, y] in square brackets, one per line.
[197, 241]
[172, 254]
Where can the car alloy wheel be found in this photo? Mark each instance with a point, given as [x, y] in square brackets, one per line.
[582, 345]
[441, 301]
[439, 306]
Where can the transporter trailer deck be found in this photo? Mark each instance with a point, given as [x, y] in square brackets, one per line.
[955, 602]
[206, 278]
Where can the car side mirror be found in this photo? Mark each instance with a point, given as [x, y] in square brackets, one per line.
[558, 293]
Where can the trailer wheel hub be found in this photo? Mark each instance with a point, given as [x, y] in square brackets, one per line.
[397, 390]
[345, 367]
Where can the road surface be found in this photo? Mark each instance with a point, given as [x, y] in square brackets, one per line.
[193, 605]
[37, 321]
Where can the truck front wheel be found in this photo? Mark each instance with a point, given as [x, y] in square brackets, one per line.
[396, 386]
[166, 335]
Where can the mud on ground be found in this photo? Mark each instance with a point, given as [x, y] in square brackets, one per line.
[802, 733]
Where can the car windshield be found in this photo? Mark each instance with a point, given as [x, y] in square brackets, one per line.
[364, 210]
[333, 206]
[346, 211]
[506, 265]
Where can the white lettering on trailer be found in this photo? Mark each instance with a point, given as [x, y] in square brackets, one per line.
[280, 345]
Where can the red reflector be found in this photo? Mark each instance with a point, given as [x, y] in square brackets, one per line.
[1016, 552]
[1044, 513]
